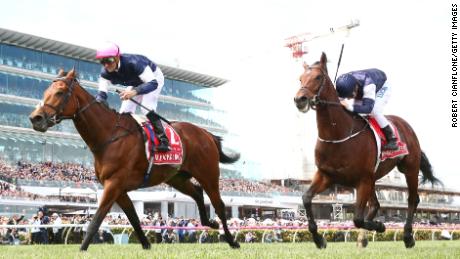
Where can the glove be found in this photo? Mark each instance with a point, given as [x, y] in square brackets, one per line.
[101, 97]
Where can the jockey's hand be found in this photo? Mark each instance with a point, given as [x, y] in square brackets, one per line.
[127, 94]
[344, 102]
[348, 104]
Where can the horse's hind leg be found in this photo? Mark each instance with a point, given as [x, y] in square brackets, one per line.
[219, 205]
[413, 200]
[210, 183]
[319, 184]
[127, 206]
[182, 183]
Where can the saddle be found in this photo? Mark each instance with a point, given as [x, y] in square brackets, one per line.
[380, 140]
[172, 157]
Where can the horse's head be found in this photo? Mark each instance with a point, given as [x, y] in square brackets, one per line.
[58, 102]
[312, 83]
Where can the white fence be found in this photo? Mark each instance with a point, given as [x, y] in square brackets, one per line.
[447, 232]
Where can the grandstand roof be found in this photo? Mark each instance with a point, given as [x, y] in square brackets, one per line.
[73, 51]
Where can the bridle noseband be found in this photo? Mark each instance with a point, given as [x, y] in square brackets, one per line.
[56, 118]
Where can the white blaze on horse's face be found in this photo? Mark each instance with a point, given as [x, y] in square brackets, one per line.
[304, 94]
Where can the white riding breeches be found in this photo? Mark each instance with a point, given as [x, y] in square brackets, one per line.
[381, 99]
[149, 100]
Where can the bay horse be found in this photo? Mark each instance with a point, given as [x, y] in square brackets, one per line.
[120, 163]
[346, 154]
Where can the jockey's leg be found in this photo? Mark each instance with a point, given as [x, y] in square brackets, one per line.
[381, 99]
[150, 100]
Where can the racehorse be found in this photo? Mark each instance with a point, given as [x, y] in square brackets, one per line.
[346, 154]
[120, 163]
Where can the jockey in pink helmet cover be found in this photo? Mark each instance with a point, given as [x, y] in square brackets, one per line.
[143, 80]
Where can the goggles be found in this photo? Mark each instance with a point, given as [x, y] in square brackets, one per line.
[108, 60]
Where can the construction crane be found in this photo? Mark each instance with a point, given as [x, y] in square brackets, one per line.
[296, 43]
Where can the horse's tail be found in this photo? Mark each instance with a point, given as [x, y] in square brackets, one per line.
[427, 170]
[224, 158]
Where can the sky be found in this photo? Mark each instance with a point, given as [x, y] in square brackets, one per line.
[243, 41]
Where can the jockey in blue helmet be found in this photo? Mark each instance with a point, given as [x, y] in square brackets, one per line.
[143, 80]
[367, 92]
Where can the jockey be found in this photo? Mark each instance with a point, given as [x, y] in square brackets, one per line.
[366, 91]
[143, 80]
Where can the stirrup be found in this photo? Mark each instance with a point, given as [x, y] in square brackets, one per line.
[390, 146]
[162, 147]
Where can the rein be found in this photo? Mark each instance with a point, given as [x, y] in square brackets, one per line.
[316, 100]
[114, 138]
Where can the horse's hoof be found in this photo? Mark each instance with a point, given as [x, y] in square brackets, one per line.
[363, 243]
[235, 245]
[380, 227]
[146, 246]
[320, 242]
[213, 224]
[409, 241]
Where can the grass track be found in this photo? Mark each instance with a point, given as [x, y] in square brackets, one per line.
[422, 250]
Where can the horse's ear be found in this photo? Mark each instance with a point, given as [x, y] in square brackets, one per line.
[61, 73]
[305, 65]
[71, 74]
[323, 61]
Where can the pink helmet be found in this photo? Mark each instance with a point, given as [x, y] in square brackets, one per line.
[108, 50]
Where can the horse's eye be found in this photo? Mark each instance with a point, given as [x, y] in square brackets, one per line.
[318, 77]
[59, 94]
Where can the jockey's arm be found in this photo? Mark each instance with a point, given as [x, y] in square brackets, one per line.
[150, 82]
[367, 103]
[103, 86]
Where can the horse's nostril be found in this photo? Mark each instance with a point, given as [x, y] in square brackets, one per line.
[36, 118]
[300, 99]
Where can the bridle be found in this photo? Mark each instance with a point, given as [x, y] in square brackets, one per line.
[316, 100]
[56, 118]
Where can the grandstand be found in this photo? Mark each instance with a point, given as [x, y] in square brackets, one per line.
[36, 169]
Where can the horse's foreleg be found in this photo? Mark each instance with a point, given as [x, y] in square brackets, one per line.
[413, 200]
[127, 206]
[373, 205]
[319, 184]
[366, 192]
[111, 192]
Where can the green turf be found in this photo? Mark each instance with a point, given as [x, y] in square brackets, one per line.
[422, 250]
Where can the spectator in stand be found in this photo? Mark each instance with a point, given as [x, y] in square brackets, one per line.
[44, 220]
[191, 232]
[57, 231]
[158, 222]
[249, 237]
[12, 233]
[35, 231]
[181, 232]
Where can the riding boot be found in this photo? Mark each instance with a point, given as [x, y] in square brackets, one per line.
[391, 139]
[159, 131]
